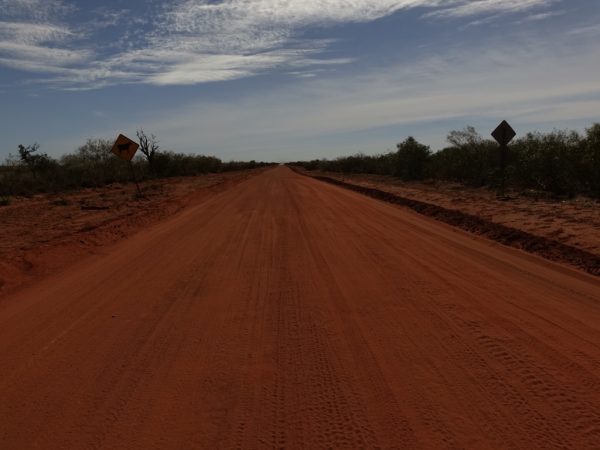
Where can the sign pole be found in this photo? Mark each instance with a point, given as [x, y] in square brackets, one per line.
[503, 135]
[503, 151]
[134, 178]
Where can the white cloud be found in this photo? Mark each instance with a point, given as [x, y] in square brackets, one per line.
[459, 86]
[202, 68]
[585, 30]
[542, 16]
[33, 33]
[35, 9]
[32, 39]
[56, 57]
[197, 41]
[193, 16]
[200, 41]
[467, 8]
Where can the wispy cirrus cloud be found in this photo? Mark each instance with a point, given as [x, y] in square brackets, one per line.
[466, 8]
[585, 30]
[460, 86]
[542, 16]
[33, 33]
[50, 57]
[34, 38]
[198, 41]
[35, 9]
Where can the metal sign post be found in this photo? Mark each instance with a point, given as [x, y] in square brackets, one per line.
[134, 178]
[125, 149]
[503, 135]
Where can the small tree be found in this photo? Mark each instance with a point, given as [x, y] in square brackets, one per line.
[470, 159]
[468, 136]
[411, 159]
[92, 164]
[35, 162]
[26, 154]
[149, 148]
[95, 150]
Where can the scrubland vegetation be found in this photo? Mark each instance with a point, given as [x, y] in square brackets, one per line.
[560, 163]
[31, 171]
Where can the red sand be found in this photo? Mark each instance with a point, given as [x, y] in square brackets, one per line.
[286, 312]
[45, 232]
[573, 222]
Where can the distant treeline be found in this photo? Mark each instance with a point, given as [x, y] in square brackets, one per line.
[561, 163]
[92, 165]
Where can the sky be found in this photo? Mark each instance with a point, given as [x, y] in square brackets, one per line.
[285, 80]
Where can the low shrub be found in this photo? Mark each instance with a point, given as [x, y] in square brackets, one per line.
[560, 163]
[93, 165]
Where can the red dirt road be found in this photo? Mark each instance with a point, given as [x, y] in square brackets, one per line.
[285, 312]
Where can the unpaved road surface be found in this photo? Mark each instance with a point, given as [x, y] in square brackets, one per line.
[574, 222]
[285, 312]
[38, 235]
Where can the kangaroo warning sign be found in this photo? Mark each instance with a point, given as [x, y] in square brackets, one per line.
[125, 148]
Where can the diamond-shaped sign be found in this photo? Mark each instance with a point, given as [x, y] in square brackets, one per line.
[504, 133]
[125, 148]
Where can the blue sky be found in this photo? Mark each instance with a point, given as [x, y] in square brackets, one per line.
[292, 79]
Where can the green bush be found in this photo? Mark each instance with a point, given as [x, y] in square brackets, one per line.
[561, 163]
[359, 163]
[552, 162]
[591, 159]
[412, 159]
[167, 164]
[473, 164]
[93, 165]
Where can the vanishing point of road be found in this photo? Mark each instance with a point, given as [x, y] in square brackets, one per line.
[284, 313]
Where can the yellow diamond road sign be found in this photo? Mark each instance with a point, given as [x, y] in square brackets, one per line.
[125, 148]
